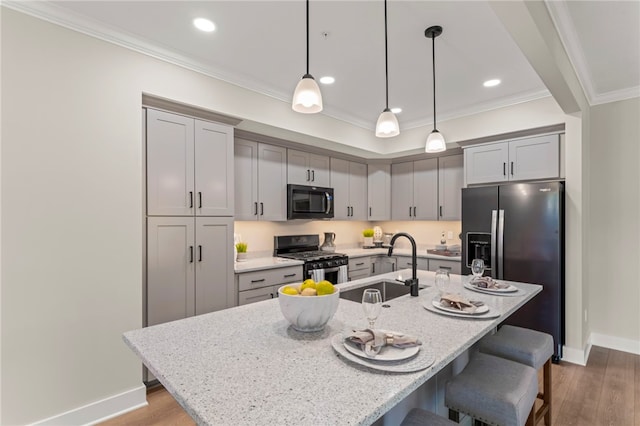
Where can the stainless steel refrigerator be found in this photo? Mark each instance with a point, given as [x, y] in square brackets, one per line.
[518, 230]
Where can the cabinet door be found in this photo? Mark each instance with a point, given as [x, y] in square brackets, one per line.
[340, 183]
[257, 295]
[404, 262]
[170, 170]
[383, 265]
[170, 269]
[487, 163]
[272, 182]
[298, 170]
[425, 189]
[319, 165]
[450, 182]
[358, 190]
[214, 174]
[402, 191]
[534, 158]
[448, 265]
[213, 255]
[379, 191]
[246, 179]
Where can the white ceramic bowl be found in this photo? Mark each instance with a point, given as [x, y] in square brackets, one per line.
[308, 313]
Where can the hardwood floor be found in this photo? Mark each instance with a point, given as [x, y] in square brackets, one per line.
[605, 392]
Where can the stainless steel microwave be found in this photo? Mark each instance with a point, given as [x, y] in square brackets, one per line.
[309, 202]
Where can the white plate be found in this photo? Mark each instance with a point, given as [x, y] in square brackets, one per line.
[509, 289]
[517, 291]
[489, 315]
[479, 310]
[387, 353]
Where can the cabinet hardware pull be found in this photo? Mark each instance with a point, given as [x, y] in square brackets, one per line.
[313, 175]
[512, 168]
[190, 254]
[258, 281]
[190, 199]
[255, 208]
[272, 295]
[373, 268]
[199, 253]
[409, 211]
[347, 211]
[199, 199]
[504, 169]
[261, 209]
[414, 211]
[290, 275]
[440, 211]
[393, 267]
[308, 175]
[444, 267]
[369, 211]
[351, 211]
[361, 263]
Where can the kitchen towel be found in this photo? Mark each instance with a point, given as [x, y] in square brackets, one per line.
[342, 274]
[317, 275]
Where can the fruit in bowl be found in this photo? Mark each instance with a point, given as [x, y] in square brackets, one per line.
[312, 310]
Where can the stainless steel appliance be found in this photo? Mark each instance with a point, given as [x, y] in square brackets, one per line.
[518, 229]
[309, 202]
[318, 264]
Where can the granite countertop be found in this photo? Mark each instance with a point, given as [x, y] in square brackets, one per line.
[260, 263]
[362, 252]
[247, 366]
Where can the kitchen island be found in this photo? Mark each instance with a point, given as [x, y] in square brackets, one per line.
[247, 366]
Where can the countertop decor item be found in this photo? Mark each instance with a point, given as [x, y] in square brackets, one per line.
[308, 313]
[242, 251]
[368, 237]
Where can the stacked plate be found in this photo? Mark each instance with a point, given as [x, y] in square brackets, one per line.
[503, 289]
[482, 310]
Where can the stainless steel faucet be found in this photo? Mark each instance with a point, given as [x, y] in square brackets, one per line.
[413, 281]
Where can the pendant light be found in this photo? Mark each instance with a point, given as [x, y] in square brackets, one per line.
[387, 125]
[307, 98]
[435, 141]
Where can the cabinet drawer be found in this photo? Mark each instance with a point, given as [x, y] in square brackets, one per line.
[269, 277]
[359, 274]
[257, 295]
[450, 265]
[405, 262]
[359, 263]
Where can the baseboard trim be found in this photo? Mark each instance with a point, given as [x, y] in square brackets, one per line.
[575, 355]
[102, 410]
[616, 343]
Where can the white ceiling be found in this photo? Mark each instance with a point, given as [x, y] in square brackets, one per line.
[261, 45]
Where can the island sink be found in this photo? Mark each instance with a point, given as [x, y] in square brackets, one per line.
[389, 290]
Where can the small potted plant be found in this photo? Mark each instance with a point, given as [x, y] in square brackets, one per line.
[368, 237]
[242, 251]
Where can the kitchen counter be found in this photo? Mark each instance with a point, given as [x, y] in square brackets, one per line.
[362, 252]
[247, 366]
[264, 263]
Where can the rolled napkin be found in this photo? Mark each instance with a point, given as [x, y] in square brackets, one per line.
[372, 341]
[455, 301]
[487, 282]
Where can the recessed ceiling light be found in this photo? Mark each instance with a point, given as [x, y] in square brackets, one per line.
[204, 24]
[327, 79]
[396, 110]
[491, 83]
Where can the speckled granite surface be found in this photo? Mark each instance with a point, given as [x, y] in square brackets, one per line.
[264, 263]
[246, 366]
[360, 252]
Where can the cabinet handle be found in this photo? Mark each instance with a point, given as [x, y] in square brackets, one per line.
[190, 254]
[290, 275]
[313, 175]
[409, 211]
[414, 211]
[351, 211]
[261, 209]
[199, 199]
[190, 199]
[440, 211]
[369, 211]
[393, 267]
[444, 267]
[308, 175]
[255, 208]
[373, 268]
[359, 264]
[512, 168]
[199, 253]
[347, 211]
[272, 295]
[258, 281]
[504, 169]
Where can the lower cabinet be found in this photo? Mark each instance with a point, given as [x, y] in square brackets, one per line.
[189, 267]
[452, 266]
[405, 262]
[359, 267]
[260, 285]
[383, 264]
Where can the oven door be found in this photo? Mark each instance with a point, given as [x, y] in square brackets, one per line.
[337, 275]
[309, 202]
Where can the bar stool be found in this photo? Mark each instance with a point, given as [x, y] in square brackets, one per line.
[528, 347]
[420, 417]
[493, 390]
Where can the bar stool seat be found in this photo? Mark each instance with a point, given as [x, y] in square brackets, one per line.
[528, 347]
[493, 390]
[419, 417]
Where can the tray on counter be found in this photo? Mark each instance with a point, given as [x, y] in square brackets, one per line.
[444, 253]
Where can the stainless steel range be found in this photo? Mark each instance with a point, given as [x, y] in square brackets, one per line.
[318, 264]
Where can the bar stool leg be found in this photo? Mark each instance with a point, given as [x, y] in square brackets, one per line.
[547, 391]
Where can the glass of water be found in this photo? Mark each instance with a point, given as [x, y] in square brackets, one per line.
[443, 281]
[372, 305]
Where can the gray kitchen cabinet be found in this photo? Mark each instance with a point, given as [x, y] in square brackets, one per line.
[450, 183]
[383, 264]
[414, 190]
[453, 266]
[260, 285]
[359, 267]
[189, 267]
[260, 181]
[257, 295]
[379, 191]
[189, 167]
[349, 182]
[305, 168]
[404, 262]
[521, 159]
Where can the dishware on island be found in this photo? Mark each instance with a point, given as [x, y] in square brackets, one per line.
[371, 304]
[308, 313]
[477, 267]
[443, 281]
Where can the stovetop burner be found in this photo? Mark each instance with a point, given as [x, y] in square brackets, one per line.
[312, 255]
[303, 247]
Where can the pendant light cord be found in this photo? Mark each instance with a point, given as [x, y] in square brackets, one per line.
[433, 62]
[386, 66]
[308, 37]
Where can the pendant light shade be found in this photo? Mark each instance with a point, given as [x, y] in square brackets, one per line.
[387, 125]
[307, 98]
[435, 141]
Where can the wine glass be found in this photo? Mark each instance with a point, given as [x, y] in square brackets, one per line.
[371, 304]
[477, 268]
[443, 281]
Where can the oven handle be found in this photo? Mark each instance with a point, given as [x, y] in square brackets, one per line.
[328, 197]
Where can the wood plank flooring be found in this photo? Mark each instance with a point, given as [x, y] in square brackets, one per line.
[604, 393]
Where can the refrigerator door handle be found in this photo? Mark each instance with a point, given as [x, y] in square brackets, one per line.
[494, 236]
[500, 244]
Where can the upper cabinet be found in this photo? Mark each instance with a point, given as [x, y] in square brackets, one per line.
[522, 159]
[305, 168]
[379, 191]
[189, 166]
[450, 182]
[349, 182]
[261, 181]
[414, 190]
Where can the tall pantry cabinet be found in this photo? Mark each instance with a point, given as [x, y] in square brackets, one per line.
[190, 207]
